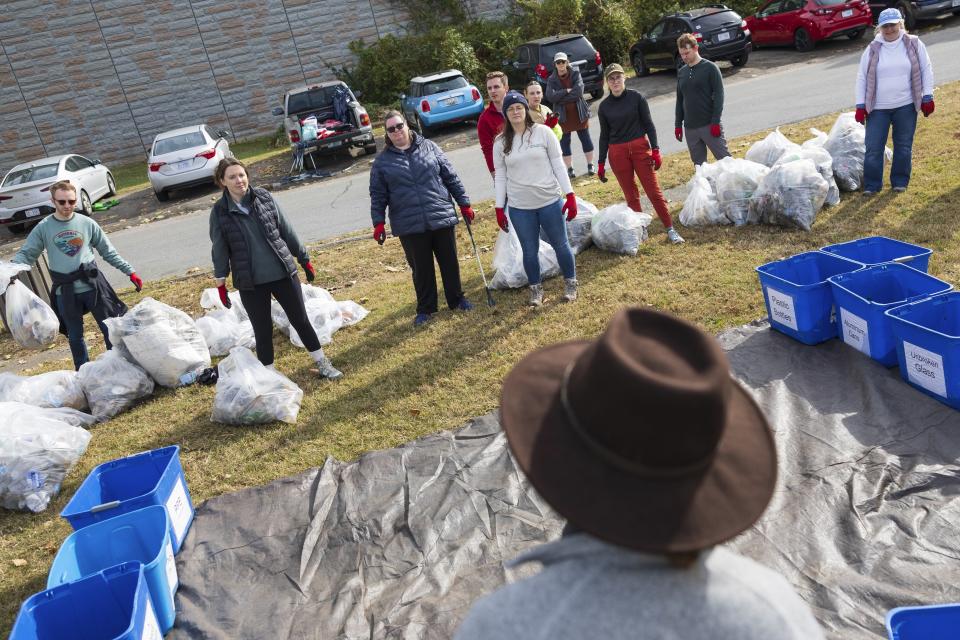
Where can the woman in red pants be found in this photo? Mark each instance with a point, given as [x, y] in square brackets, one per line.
[625, 127]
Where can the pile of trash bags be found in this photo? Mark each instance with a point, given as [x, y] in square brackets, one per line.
[508, 261]
[620, 229]
[845, 144]
[112, 384]
[222, 328]
[769, 150]
[701, 208]
[790, 194]
[50, 390]
[736, 183]
[326, 314]
[250, 393]
[32, 322]
[161, 339]
[579, 229]
[37, 450]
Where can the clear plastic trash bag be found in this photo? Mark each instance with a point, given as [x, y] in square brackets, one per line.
[620, 229]
[701, 207]
[824, 164]
[790, 195]
[578, 229]
[50, 390]
[210, 300]
[735, 185]
[508, 261]
[112, 384]
[32, 322]
[845, 144]
[9, 271]
[326, 315]
[163, 340]
[769, 150]
[222, 331]
[38, 447]
[249, 393]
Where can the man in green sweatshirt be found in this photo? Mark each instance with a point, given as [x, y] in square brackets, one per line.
[78, 286]
[699, 103]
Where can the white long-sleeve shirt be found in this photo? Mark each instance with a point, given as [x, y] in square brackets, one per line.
[532, 175]
[893, 74]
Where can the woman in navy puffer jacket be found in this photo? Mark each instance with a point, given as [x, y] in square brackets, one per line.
[412, 181]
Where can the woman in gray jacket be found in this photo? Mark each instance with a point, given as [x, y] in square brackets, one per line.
[565, 93]
[413, 180]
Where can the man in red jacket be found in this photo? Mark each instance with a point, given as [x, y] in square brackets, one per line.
[490, 122]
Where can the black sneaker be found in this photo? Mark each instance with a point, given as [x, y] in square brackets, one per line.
[590, 170]
[570, 173]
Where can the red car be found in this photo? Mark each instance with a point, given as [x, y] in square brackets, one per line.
[805, 22]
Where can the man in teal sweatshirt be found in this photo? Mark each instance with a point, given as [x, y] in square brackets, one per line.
[78, 286]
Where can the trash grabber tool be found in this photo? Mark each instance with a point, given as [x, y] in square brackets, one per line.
[476, 254]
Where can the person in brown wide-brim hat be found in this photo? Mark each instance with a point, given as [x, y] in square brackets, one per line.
[655, 456]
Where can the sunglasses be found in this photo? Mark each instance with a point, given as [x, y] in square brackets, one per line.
[66, 202]
[561, 62]
[397, 127]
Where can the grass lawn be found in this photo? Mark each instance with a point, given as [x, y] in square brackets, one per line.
[402, 383]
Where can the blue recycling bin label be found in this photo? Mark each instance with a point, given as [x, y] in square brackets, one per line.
[925, 369]
[178, 507]
[151, 628]
[170, 567]
[856, 333]
[781, 308]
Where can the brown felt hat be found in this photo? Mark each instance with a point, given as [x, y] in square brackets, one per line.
[641, 437]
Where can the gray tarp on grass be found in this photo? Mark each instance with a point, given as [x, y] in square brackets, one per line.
[400, 542]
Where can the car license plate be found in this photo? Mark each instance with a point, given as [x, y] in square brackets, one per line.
[183, 165]
[846, 13]
[31, 212]
[449, 102]
[723, 36]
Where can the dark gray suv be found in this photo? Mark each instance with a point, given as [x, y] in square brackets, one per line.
[534, 61]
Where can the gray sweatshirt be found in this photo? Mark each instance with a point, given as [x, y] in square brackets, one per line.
[591, 589]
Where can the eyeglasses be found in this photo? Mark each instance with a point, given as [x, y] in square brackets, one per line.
[66, 202]
[397, 127]
[561, 62]
[615, 77]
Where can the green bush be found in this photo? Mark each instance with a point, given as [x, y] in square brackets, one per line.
[493, 41]
[609, 28]
[541, 18]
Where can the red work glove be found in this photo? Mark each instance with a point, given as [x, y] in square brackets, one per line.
[224, 298]
[467, 213]
[551, 120]
[502, 221]
[861, 115]
[570, 206]
[657, 159]
[715, 130]
[137, 282]
[379, 233]
[601, 172]
[308, 270]
[678, 134]
[927, 108]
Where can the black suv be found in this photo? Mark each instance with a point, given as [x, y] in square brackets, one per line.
[912, 10]
[534, 61]
[720, 32]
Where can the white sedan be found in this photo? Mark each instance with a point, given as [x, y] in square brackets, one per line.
[25, 190]
[184, 158]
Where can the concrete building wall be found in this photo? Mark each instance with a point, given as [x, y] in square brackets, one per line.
[103, 77]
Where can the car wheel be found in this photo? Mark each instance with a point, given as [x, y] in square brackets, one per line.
[370, 149]
[17, 228]
[162, 196]
[909, 17]
[740, 60]
[856, 35]
[640, 65]
[422, 128]
[596, 95]
[111, 185]
[802, 40]
[86, 207]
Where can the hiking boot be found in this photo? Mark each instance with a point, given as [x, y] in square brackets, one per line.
[536, 295]
[590, 170]
[570, 173]
[674, 237]
[899, 189]
[569, 289]
[869, 194]
[327, 370]
[421, 319]
[464, 305]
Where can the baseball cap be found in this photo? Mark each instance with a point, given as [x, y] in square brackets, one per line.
[560, 55]
[889, 16]
[611, 69]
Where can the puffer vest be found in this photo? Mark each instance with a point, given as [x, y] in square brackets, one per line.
[916, 82]
[264, 211]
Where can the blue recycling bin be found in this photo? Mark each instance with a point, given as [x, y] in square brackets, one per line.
[881, 250]
[932, 622]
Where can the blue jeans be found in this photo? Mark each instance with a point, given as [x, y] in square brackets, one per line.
[78, 347]
[528, 223]
[904, 122]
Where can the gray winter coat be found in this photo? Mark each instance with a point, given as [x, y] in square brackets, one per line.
[591, 589]
[558, 96]
[415, 185]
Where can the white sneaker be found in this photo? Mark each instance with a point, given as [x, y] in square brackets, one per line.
[536, 295]
[674, 237]
[570, 289]
[327, 370]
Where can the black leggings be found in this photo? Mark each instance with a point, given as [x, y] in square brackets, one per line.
[420, 249]
[290, 297]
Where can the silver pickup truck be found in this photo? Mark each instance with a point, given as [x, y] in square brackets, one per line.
[325, 118]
